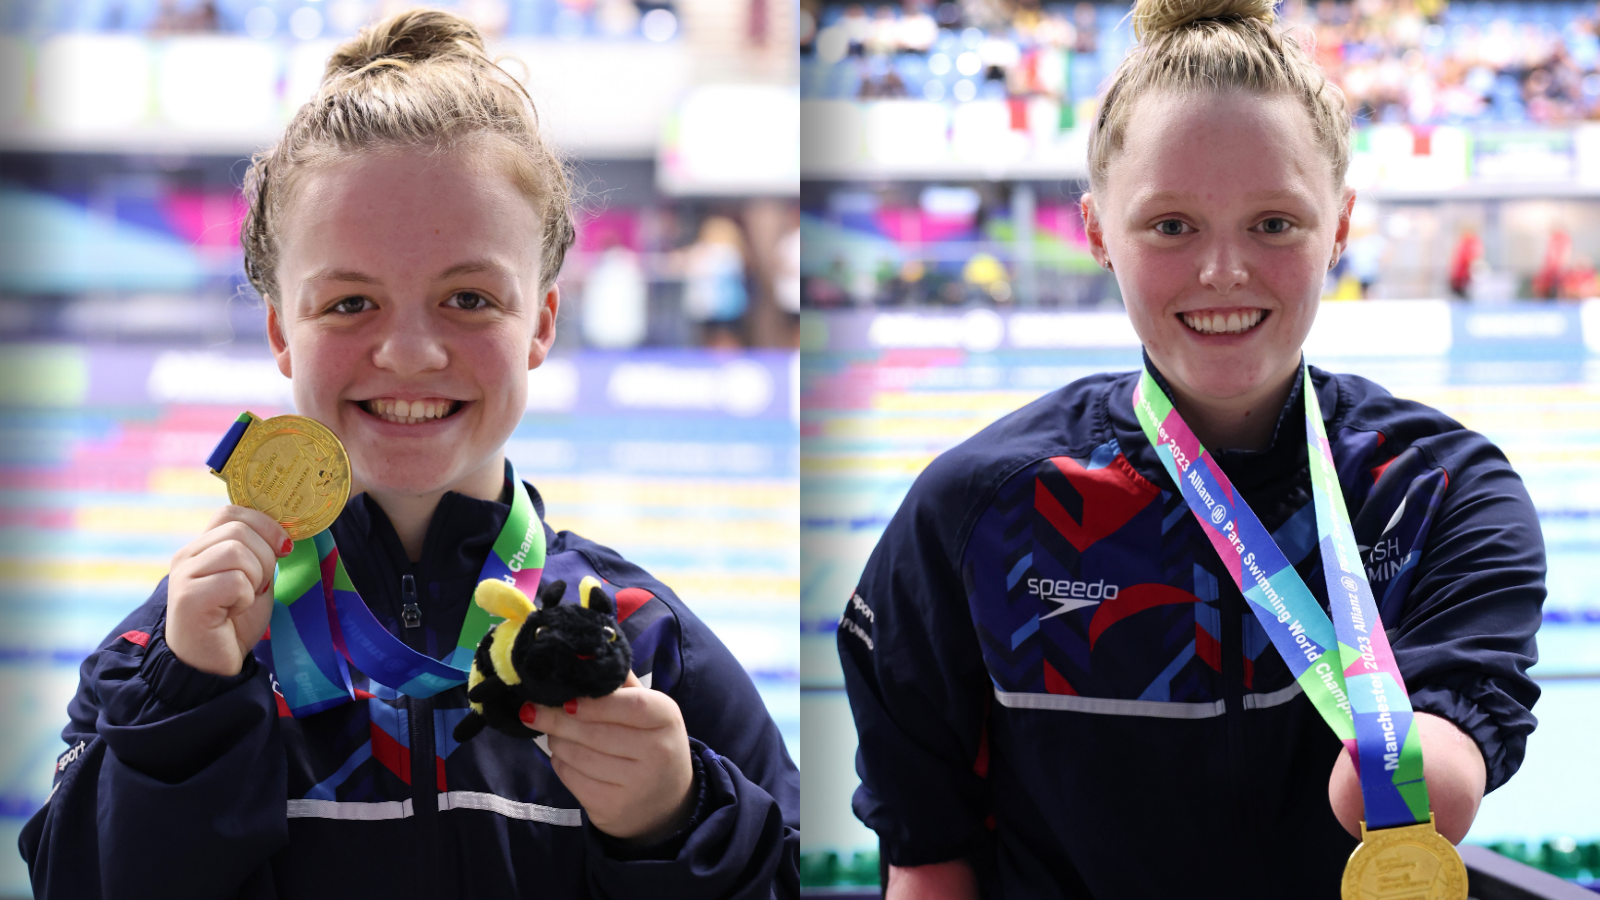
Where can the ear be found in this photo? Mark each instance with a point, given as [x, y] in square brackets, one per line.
[503, 600]
[1341, 236]
[280, 344]
[594, 597]
[1090, 210]
[544, 327]
[550, 593]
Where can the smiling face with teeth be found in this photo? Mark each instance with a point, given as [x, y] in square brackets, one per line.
[410, 316]
[1220, 218]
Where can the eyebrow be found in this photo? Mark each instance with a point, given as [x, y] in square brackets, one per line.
[1254, 196]
[471, 267]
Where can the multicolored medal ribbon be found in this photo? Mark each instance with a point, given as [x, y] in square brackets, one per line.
[1358, 691]
[318, 619]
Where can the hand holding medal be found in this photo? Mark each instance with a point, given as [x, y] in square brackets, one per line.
[219, 590]
[291, 481]
[288, 478]
[1345, 666]
[294, 470]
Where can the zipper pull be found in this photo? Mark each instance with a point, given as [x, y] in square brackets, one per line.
[410, 613]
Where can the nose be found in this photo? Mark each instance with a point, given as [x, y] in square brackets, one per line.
[1222, 266]
[408, 343]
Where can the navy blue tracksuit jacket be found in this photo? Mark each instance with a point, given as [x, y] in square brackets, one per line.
[1053, 675]
[180, 784]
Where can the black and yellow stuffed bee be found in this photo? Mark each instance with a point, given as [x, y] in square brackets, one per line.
[547, 654]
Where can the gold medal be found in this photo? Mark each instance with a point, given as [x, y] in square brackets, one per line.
[293, 469]
[1413, 862]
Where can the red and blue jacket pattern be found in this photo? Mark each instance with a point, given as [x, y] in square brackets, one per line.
[1053, 675]
[180, 784]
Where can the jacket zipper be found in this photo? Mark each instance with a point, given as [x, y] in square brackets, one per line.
[410, 612]
[424, 770]
[424, 795]
[1234, 609]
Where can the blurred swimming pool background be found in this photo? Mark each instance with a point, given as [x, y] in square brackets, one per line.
[685, 461]
[885, 391]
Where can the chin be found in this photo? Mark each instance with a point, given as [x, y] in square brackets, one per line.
[420, 480]
[1225, 379]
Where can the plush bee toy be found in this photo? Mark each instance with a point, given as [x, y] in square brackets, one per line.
[547, 654]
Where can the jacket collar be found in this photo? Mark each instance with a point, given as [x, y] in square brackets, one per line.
[458, 540]
[1284, 455]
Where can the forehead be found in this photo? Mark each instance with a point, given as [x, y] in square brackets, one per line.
[380, 209]
[1219, 146]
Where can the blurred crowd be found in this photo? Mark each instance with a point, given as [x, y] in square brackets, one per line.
[725, 277]
[978, 49]
[1432, 63]
[1423, 62]
[652, 266]
[654, 20]
[646, 269]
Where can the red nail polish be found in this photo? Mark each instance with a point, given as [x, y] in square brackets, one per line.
[571, 706]
[287, 548]
[528, 714]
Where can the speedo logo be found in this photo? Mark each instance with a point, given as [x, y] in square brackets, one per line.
[1051, 589]
[1071, 594]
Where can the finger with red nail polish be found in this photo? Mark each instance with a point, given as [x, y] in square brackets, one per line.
[600, 757]
[219, 590]
[528, 714]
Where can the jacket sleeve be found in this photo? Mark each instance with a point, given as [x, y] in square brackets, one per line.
[916, 680]
[174, 781]
[743, 839]
[1465, 637]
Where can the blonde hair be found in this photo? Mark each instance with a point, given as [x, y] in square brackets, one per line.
[1186, 46]
[419, 80]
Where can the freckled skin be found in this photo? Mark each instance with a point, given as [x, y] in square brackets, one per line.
[549, 663]
[1270, 223]
[401, 221]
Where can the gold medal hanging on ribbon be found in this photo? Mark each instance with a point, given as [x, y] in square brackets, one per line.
[293, 469]
[1412, 862]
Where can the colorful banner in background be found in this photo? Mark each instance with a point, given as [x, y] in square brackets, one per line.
[1370, 328]
[757, 385]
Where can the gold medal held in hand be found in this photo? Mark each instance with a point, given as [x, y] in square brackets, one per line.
[293, 469]
[1412, 862]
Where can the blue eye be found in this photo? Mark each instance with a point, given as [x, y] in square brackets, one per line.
[1172, 232]
[1282, 223]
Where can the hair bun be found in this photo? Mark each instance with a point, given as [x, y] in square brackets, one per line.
[1154, 17]
[408, 38]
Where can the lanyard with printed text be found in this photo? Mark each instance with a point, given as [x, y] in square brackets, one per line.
[1358, 691]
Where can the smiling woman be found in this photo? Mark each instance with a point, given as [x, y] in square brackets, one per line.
[1222, 285]
[408, 277]
[1014, 742]
[406, 233]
